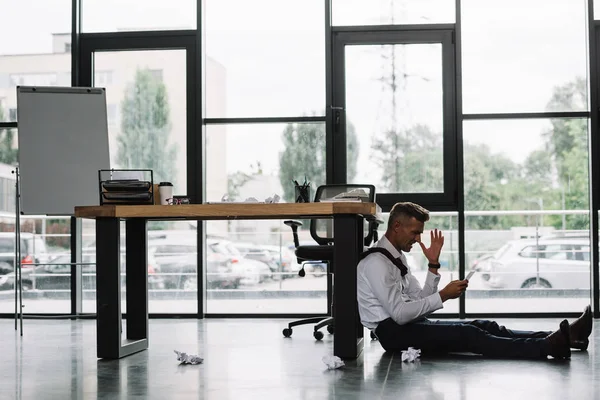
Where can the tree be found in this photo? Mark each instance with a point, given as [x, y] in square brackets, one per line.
[409, 156]
[238, 179]
[304, 155]
[145, 127]
[8, 154]
[568, 145]
[410, 160]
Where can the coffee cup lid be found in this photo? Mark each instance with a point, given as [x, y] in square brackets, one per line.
[165, 184]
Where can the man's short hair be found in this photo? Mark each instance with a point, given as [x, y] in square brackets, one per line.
[406, 210]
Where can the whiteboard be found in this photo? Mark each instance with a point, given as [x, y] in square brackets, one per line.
[63, 142]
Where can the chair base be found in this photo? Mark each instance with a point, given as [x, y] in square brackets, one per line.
[306, 321]
[319, 321]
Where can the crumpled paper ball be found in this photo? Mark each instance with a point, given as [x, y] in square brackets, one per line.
[226, 198]
[185, 358]
[333, 362]
[411, 354]
[274, 199]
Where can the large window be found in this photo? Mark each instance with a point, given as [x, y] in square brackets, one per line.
[137, 15]
[254, 162]
[263, 82]
[395, 116]
[390, 12]
[527, 214]
[526, 180]
[515, 53]
[146, 96]
[45, 264]
[34, 51]
[148, 100]
[270, 54]
[261, 160]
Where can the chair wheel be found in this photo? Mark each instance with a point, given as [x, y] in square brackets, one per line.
[287, 332]
[330, 329]
[373, 336]
[318, 335]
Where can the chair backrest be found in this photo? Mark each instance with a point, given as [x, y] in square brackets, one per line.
[321, 230]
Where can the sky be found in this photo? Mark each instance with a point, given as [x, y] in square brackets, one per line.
[514, 53]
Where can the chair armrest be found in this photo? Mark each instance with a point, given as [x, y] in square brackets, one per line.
[294, 225]
[372, 235]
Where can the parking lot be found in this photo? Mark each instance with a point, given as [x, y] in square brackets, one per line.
[246, 277]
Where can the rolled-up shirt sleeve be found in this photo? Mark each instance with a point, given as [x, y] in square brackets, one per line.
[403, 307]
[415, 292]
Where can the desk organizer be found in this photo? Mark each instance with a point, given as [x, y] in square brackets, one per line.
[126, 191]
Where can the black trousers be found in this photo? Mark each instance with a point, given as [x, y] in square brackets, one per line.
[480, 337]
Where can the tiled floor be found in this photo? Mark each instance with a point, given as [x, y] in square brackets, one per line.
[250, 359]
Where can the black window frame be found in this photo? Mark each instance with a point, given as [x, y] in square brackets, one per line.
[443, 34]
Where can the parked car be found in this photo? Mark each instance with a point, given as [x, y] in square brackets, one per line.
[285, 259]
[252, 271]
[177, 263]
[258, 253]
[314, 268]
[56, 275]
[562, 263]
[33, 250]
[479, 264]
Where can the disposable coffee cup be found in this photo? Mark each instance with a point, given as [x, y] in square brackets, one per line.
[165, 191]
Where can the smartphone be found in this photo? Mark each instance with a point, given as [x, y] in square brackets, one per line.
[470, 274]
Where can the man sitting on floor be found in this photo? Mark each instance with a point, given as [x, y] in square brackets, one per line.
[393, 304]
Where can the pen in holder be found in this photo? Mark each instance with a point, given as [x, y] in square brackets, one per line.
[302, 193]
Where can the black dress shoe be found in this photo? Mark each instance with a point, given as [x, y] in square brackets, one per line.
[580, 344]
[581, 329]
[559, 342]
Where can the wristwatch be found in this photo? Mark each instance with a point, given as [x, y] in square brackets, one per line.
[435, 266]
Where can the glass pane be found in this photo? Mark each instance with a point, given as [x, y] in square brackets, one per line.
[7, 221]
[527, 214]
[394, 101]
[137, 15]
[8, 159]
[389, 12]
[510, 67]
[251, 268]
[44, 242]
[172, 267]
[34, 53]
[46, 288]
[261, 160]
[146, 107]
[272, 64]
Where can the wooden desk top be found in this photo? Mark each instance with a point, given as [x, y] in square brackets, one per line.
[231, 211]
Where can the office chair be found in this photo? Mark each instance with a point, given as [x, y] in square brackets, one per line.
[321, 230]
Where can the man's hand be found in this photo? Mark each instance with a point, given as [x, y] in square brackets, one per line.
[454, 289]
[433, 252]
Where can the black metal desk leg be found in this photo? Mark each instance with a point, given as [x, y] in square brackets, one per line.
[136, 275]
[108, 288]
[348, 244]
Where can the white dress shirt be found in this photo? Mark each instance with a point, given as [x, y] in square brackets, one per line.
[382, 292]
